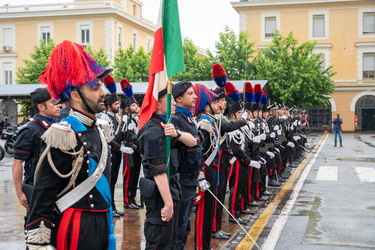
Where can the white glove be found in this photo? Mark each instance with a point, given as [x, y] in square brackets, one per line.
[256, 139]
[277, 150]
[278, 132]
[244, 115]
[263, 137]
[204, 185]
[296, 138]
[273, 135]
[39, 247]
[295, 123]
[291, 144]
[270, 154]
[126, 150]
[276, 127]
[254, 164]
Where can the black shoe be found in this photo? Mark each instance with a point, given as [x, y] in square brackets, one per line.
[253, 204]
[136, 204]
[341, 146]
[292, 166]
[247, 211]
[284, 175]
[118, 212]
[131, 206]
[225, 233]
[267, 193]
[281, 179]
[239, 219]
[218, 235]
[335, 145]
[115, 215]
[274, 183]
[262, 199]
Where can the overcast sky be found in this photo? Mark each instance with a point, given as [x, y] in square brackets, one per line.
[201, 20]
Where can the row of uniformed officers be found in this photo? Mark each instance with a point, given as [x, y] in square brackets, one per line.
[243, 147]
[70, 182]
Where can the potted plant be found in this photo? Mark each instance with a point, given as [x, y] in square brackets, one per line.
[325, 129]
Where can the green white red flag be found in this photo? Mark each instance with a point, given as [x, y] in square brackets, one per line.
[167, 57]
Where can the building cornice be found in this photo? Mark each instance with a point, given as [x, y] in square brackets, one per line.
[355, 88]
[54, 11]
[365, 44]
[291, 3]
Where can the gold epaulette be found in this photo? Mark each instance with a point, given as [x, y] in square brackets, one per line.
[60, 135]
[205, 125]
[106, 129]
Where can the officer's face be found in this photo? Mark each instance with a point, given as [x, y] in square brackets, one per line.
[249, 115]
[115, 107]
[187, 100]
[134, 108]
[215, 106]
[222, 104]
[238, 114]
[50, 109]
[162, 105]
[94, 97]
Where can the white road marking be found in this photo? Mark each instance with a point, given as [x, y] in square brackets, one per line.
[327, 173]
[274, 235]
[365, 174]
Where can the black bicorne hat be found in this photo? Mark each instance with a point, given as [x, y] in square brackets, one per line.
[127, 102]
[233, 108]
[111, 99]
[220, 93]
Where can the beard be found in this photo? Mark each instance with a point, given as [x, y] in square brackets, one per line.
[115, 111]
[94, 106]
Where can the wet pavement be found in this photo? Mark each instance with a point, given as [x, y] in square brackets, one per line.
[128, 229]
[331, 205]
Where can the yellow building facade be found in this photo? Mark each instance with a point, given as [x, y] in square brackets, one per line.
[344, 31]
[109, 25]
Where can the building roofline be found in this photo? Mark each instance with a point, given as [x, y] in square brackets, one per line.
[25, 12]
[289, 3]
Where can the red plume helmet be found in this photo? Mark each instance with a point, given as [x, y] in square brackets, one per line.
[232, 92]
[69, 66]
[219, 75]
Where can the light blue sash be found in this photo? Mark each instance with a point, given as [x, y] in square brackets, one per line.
[102, 184]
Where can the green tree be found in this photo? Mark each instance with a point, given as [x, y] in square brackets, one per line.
[32, 70]
[295, 74]
[132, 65]
[234, 53]
[100, 56]
[197, 67]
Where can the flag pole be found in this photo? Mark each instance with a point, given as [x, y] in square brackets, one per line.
[168, 138]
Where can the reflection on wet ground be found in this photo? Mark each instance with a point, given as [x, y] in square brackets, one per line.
[357, 159]
[129, 231]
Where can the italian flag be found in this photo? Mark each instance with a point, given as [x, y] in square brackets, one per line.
[167, 57]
